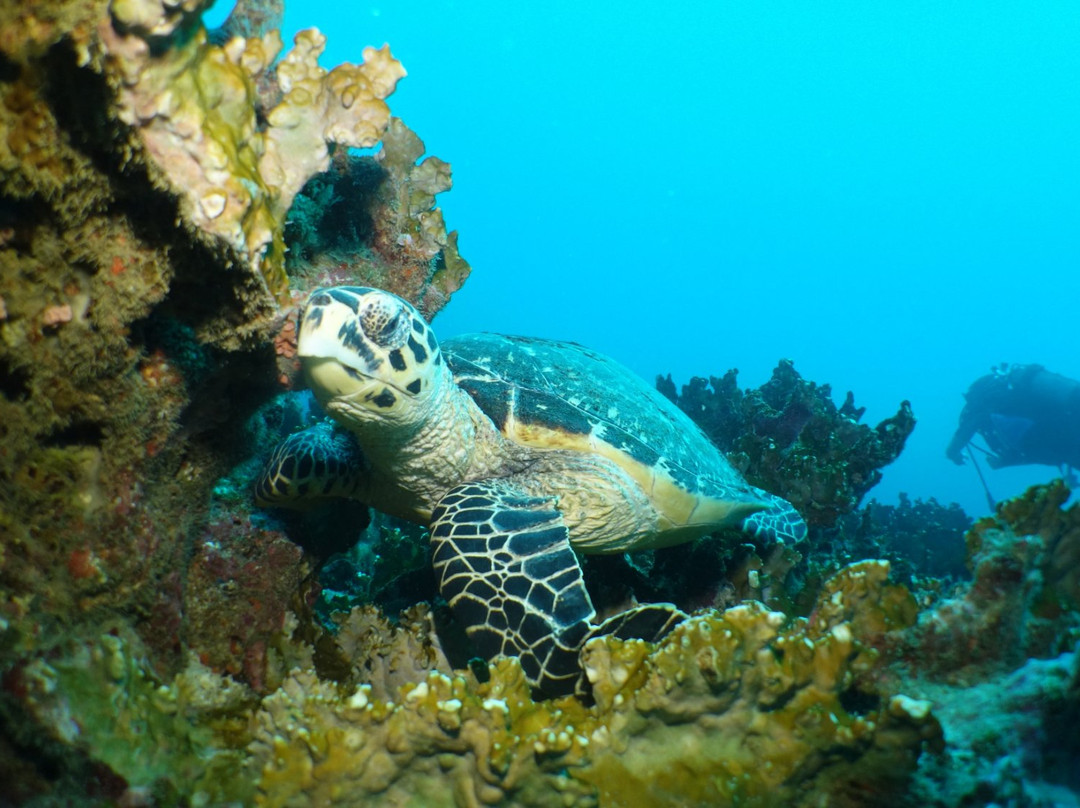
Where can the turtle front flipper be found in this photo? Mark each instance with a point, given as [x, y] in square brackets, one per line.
[317, 463]
[779, 522]
[504, 564]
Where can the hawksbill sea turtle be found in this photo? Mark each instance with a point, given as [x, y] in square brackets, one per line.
[517, 453]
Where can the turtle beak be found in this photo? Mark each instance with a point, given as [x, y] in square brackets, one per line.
[332, 380]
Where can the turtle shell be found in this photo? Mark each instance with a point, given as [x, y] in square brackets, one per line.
[558, 395]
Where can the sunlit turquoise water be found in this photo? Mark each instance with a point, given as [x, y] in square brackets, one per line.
[884, 192]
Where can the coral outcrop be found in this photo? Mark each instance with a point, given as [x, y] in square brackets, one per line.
[740, 707]
[789, 438]
[998, 655]
[146, 174]
[193, 105]
[377, 216]
[1024, 599]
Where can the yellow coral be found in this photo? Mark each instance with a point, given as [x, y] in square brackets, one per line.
[193, 105]
[735, 707]
[740, 707]
[343, 106]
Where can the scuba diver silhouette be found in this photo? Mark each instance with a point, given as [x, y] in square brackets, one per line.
[1026, 415]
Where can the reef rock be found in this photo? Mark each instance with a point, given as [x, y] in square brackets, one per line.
[1024, 597]
[146, 175]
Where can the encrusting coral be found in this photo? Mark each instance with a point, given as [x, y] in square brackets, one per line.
[740, 707]
[191, 104]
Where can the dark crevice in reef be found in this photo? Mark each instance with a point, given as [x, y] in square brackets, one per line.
[79, 99]
[332, 210]
[14, 381]
[859, 702]
[37, 769]
[9, 70]
[198, 296]
[223, 388]
[18, 219]
[782, 701]
[79, 433]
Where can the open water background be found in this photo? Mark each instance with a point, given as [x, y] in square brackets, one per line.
[887, 193]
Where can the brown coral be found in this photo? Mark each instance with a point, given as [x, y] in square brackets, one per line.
[1023, 601]
[372, 221]
[739, 707]
[789, 438]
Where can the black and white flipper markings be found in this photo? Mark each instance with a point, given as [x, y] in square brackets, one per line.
[320, 462]
[504, 564]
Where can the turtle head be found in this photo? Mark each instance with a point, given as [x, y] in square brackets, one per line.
[368, 355]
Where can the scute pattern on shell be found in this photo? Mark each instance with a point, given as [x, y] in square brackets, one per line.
[566, 387]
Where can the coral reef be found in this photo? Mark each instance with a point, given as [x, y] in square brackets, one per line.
[144, 188]
[920, 538]
[789, 438]
[240, 583]
[376, 215]
[1024, 598]
[1012, 738]
[250, 18]
[130, 347]
[163, 644]
[735, 707]
[190, 102]
[998, 657]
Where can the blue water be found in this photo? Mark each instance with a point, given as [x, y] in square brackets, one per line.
[886, 193]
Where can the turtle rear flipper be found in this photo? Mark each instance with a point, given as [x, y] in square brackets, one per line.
[779, 522]
[649, 621]
[504, 564]
[315, 464]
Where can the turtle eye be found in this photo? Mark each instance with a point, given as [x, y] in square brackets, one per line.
[388, 329]
[385, 326]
